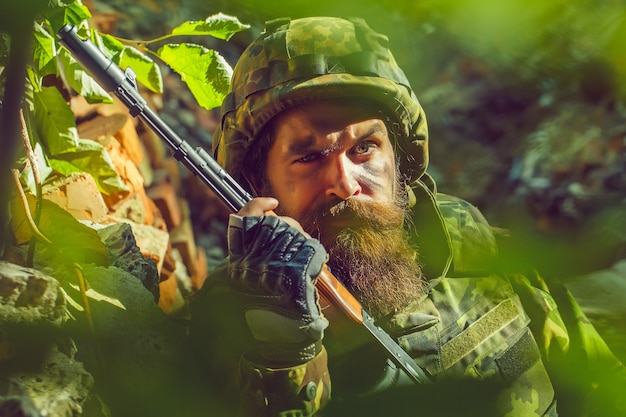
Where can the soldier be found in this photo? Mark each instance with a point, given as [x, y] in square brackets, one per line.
[324, 128]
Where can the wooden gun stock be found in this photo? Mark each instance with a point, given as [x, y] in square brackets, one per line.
[334, 295]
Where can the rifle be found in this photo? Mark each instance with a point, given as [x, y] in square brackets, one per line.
[333, 295]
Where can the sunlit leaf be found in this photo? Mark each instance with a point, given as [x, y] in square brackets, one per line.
[33, 85]
[76, 13]
[205, 71]
[220, 26]
[109, 45]
[55, 121]
[147, 71]
[90, 157]
[71, 240]
[43, 50]
[60, 13]
[81, 81]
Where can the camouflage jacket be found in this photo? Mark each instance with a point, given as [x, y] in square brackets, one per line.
[495, 343]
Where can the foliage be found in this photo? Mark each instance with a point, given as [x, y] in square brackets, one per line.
[72, 241]
[51, 123]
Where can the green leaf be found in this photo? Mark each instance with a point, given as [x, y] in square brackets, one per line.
[90, 157]
[33, 84]
[108, 44]
[72, 241]
[147, 71]
[220, 26]
[205, 71]
[54, 121]
[81, 81]
[44, 51]
[75, 13]
[60, 13]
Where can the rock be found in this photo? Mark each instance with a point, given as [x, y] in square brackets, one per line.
[59, 387]
[154, 147]
[201, 270]
[144, 368]
[125, 167]
[78, 194]
[80, 107]
[32, 308]
[101, 126]
[152, 241]
[42, 378]
[174, 287]
[173, 172]
[135, 208]
[164, 196]
[183, 240]
[122, 246]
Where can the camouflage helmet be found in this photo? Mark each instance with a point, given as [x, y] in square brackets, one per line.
[298, 61]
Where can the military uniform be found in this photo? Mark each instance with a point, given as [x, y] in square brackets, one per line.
[476, 321]
[469, 323]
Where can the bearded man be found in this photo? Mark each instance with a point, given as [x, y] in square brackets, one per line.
[324, 129]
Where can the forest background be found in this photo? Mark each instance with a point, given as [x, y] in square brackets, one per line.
[525, 106]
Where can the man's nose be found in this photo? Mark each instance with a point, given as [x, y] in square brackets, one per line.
[342, 178]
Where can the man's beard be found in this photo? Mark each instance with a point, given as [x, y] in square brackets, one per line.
[370, 252]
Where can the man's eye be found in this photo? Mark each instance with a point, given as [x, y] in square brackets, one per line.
[364, 147]
[308, 158]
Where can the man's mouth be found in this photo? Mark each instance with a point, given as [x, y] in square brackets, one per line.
[332, 225]
[327, 222]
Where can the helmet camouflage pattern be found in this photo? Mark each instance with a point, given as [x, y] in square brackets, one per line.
[302, 60]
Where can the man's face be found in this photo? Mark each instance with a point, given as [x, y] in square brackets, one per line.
[332, 167]
[324, 153]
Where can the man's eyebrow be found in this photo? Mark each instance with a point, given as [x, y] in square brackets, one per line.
[301, 145]
[376, 128]
[306, 144]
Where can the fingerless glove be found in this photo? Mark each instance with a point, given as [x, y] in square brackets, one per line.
[273, 268]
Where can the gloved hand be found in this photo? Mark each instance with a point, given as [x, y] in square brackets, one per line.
[274, 267]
